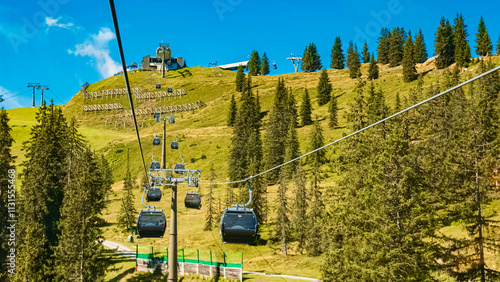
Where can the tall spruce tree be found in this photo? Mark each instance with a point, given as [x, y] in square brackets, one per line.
[324, 88]
[79, 255]
[498, 46]
[254, 64]
[462, 48]
[128, 213]
[210, 204]
[373, 69]
[305, 109]
[277, 127]
[264, 69]
[311, 60]
[420, 51]
[444, 46]
[409, 70]
[240, 78]
[337, 55]
[41, 195]
[314, 243]
[366, 54]
[333, 112]
[353, 61]
[233, 109]
[396, 46]
[6, 180]
[383, 46]
[484, 46]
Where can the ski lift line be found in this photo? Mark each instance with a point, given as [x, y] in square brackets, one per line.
[26, 91]
[363, 129]
[13, 91]
[125, 74]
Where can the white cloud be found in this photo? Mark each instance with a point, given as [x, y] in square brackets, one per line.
[97, 48]
[51, 22]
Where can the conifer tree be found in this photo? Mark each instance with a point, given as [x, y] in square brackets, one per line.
[373, 69]
[366, 54]
[264, 69]
[462, 48]
[324, 88]
[314, 243]
[279, 118]
[383, 46]
[409, 70]
[353, 61]
[233, 109]
[396, 47]
[337, 55]
[6, 169]
[498, 46]
[211, 212]
[484, 46]
[444, 46]
[333, 112]
[79, 254]
[311, 60]
[128, 213]
[41, 195]
[293, 115]
[254, 64]
[420, 50]
[185, 64]
[240, 78]
[299, 216]
[305, 109]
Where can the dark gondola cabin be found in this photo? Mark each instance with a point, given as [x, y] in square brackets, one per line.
[239, 225]
[153, 194]
[192, 200]
[155, 165]
[179, 168]
[156, 141]
[151, 223]
[174, 145]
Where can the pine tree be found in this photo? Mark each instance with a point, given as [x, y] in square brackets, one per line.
[484, 46]
[409, 70]
[373, 69]
[305, 109]
[333, 112]
[128, 213]
[279, 118]
[366, 54]
[211, 212]
[264, 69]
[383, 46]
[462, 48]
[6, 172]
[79, 254]
[420, 50]
[293, 115]
[314, 242]
[498, 46]
[324, 88]
[41, 195]
[233, 110]
[337, 55]
[311, 60]
[185, 64]
[353, 62]
[444, 46]
[240, 78]
[254, 64]
[396, 47]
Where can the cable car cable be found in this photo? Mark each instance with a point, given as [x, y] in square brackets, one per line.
[363, 129]
[119, 40]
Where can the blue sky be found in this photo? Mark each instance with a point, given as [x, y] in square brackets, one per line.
[64, 43]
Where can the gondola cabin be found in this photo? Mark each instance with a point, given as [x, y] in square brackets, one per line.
[153, 194]
[151, 223]
[192, 200]
[156, 141]
[239, 225]
[155, 165]
[174, 145]
[179, 168]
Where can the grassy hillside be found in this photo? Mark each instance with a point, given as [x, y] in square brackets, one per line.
[204, 140]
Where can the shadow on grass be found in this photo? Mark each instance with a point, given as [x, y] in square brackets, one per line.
[122, 275]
